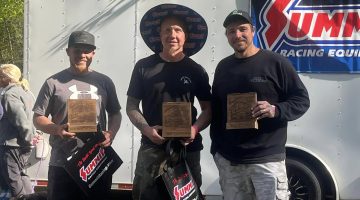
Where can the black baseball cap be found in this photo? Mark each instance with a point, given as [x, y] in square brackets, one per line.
[237, 15]
[81, 37]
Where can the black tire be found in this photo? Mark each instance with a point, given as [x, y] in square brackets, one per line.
[304, 183]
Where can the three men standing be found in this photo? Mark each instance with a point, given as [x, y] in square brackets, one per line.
[250, 161]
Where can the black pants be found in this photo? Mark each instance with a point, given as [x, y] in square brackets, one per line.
[12, 164]
[62, 187]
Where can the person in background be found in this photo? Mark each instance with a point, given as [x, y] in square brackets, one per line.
[17, 132]
[1, 111]
[78, 81]
[251, 162]
[174, 33]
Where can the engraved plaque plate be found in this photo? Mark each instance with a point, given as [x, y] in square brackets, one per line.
[239, 111]
[82, 115]
[176, 118]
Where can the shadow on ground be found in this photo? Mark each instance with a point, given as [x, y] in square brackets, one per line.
[115, 195]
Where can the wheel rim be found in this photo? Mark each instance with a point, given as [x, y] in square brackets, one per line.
[298, 190]
[303, 183]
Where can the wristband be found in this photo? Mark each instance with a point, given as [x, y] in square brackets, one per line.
[196, 128]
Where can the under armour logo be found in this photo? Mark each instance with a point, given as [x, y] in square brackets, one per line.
[75, 92]
[186, 80]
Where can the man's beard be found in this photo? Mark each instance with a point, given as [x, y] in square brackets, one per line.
[82, 65]
[239, 46]
[240, 50]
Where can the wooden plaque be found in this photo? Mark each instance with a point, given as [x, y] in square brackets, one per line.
[239, 111]
[82, 115]
[176, 117]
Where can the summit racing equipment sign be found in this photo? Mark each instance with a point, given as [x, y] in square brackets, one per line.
[317, 36]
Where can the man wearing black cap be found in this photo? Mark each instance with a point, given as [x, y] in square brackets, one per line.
[78, 81]
[251, 161]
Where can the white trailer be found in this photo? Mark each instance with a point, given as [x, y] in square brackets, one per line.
[322, 145]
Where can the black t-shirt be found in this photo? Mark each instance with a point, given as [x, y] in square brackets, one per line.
[155, 81]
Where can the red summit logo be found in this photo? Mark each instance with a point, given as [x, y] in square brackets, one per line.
[183, 191]
[304, 22]
[85, 172]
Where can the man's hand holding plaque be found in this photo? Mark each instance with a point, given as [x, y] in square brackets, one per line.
[176, 119]
[239, 114]
[82, 115]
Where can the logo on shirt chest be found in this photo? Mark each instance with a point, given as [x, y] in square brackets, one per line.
[185, 80]
[92, 92]
[258, 79]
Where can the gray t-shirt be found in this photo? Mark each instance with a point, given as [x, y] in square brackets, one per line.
[52, 101]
